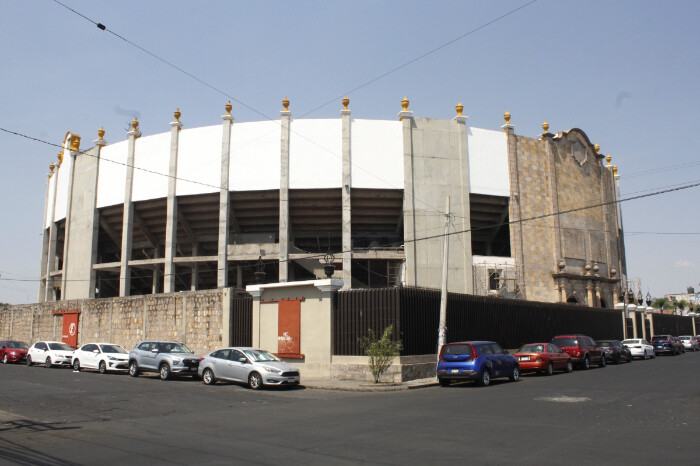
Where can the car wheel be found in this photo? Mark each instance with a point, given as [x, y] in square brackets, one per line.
[102, 367]
[4, 358]
[164, 371]
[569, 367]
[47, 363]
[255, 381]
[515, 374]
[29, 360]
[586, 363]
[444, 382]
[549, 370]
[602, 362]
[76, 365]
[485, 378]
[133, 369]
[208, 377]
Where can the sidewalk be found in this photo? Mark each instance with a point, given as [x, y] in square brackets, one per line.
[368, 386]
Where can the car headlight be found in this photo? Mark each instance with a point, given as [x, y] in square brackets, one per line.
[13, 353]
[274, 371]
[177, 361]
[112, 358]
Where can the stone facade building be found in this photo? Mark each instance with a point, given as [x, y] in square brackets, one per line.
[222, 206]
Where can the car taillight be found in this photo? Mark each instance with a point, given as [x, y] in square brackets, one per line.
[474, 353]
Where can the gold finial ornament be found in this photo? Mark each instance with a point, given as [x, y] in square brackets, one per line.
[460, 108]
[135, 124]
[506, 116]
[615, 170]
[177, 114]
[228, 108]
[60, 158]
[404, 104]
[608, 159]
[51, 167]
[345, 103]
[74, 142]
[597, 148]
[101, 134]
[285, 104]
[545, 126]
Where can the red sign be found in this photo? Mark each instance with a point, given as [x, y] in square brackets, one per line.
[69, 336]
[289, 326]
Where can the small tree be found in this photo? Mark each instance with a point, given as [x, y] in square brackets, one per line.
[381, 351]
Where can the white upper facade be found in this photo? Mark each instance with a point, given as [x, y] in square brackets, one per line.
[377, 154]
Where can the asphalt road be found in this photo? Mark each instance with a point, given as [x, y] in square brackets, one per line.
[637, 413]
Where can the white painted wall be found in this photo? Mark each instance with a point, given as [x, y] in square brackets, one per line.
[62, 180]
[112, 175]
[49, 206]
[199, 160]
[315, 154]
[255, 156]
[488, 162]
[151, 162]
[377, 154]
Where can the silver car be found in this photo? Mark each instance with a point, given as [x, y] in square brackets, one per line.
[253, 366]
[690, 343]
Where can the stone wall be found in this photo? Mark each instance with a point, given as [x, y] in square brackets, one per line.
[196, 318]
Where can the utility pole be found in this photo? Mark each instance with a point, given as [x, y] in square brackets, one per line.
[442, 328]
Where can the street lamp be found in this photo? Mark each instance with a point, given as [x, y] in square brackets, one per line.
[259, 270]
[648, 299]
[329, 268]
[640, 300]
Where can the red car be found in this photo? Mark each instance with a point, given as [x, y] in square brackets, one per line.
[583, 350]
[13, 351]
[543, 357]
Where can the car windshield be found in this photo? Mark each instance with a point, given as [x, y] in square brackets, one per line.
[565, 341]
[531, 349]
[260, 356]
[173, 348]
[112, 349]
[17, 344]
[60, 346]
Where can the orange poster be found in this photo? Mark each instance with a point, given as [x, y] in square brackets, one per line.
[289, 324]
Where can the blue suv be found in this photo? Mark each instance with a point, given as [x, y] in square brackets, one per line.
[476, 360]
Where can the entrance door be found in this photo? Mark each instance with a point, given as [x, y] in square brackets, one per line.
[69, 335]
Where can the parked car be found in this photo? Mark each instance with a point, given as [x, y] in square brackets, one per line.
[13, 351]
[689, 342]
[253, 366]
[104, 357]
[665, 344]
[480, 361]
[583, 350]
[167, 358]
[679, 344]
[50, 353]
[640, 348]
[543, 357]
[615, 351]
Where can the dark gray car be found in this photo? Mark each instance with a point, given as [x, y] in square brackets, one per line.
[167, 358]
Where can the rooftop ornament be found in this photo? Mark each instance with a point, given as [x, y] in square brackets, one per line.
[135, 124]
[459, 108]
[101, 134]
[545, 127]
[228, 108]
[648, 299]
[597, 148]
[345, 103]
[285, 104]
[404, 104]
[177, 114]
[506, 116]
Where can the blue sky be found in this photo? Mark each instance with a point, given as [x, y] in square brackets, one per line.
[624, 72]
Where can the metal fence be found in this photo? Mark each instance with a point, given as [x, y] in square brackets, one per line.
[415, 312]
[242, 321]
[667, 324]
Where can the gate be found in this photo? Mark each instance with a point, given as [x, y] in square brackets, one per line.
[69, 333]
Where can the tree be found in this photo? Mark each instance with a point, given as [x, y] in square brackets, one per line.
[381, 351]
[664, 304]
[682, 304]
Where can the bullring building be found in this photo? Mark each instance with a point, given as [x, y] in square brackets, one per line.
[235, 203]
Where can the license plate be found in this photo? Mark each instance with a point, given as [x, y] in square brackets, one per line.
[524, 358]
[454, 371]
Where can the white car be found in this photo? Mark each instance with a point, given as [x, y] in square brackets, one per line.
[104, 357]
[639, 348]
[690, 343]
[50, 353]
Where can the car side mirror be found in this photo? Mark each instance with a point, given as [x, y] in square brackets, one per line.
[154, 350]
[243, 360]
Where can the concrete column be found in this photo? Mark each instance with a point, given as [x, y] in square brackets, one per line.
[346, 189]
[651, 326]
[43, 276]
[515, 211]
[195, 268]
[463, 207]
[633, 315]
[226, 317]
[74, 148]
[644, 327]
[154, 280]
[285, 118]
[171, 215]
[589, 295]
[222, 262]
[624, 325]
[50, 295]
[406, 117]
[128, 217]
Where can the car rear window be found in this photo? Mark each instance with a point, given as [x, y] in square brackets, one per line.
[660, 338]
[605, 344]
[565, 341]
[531, 349]
[631, 342]
[457, 349]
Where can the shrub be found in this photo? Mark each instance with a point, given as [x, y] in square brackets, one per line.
[381, 351]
